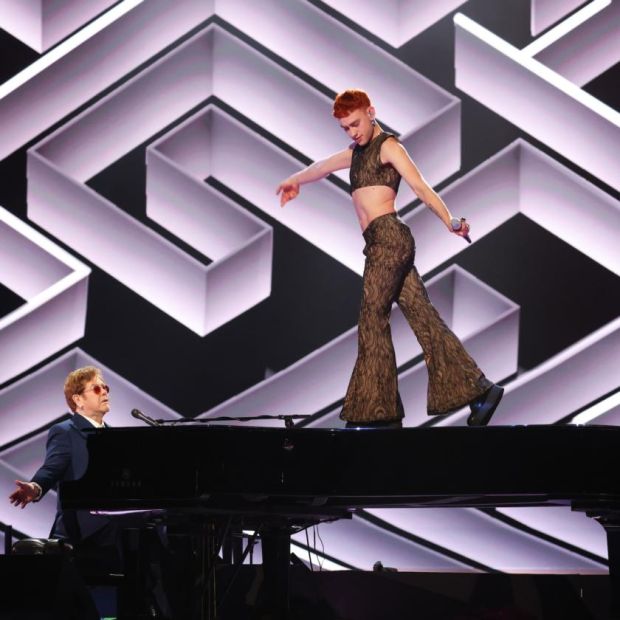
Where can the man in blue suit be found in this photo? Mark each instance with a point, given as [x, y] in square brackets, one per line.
[67, 458]
[96, 538]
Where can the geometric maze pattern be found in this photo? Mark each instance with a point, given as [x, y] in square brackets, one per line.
[545, 13]
[54, 285]
[115, 44]
[201, 296]
[522, 179]
[397, 21]
[41, 25]
[462, 540]
[168, 83]
[543, 102]
[240, 244]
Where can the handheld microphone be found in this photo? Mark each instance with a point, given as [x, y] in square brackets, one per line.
[457, 224]
[136, 413]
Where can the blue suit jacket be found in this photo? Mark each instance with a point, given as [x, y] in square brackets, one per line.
[67, 459]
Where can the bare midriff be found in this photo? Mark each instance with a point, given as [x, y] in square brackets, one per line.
[372, 201]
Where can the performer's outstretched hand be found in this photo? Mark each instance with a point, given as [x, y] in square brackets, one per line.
[24, 494]
[288, 190]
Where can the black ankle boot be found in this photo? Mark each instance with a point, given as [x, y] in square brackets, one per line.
[482, 408]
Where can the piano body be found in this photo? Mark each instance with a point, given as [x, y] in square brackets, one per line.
[284, 479]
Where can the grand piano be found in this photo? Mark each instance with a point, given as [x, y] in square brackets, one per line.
[281, 480]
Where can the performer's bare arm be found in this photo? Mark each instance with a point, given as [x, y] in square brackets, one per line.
[395, 153]
[289, 188]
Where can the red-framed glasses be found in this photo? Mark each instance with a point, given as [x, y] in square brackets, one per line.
[98, 389]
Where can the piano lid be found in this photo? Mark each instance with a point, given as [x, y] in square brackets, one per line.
[212, 465]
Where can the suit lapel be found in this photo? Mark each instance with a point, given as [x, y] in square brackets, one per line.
[81, 423]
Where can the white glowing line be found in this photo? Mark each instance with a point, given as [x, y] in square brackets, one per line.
[301, 551]
[600, 408]
[538, 69]
[42, 242]
[67, 46]
[325, 564]
[78, 269]
[565, 27]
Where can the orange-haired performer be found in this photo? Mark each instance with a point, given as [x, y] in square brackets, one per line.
[377, 161]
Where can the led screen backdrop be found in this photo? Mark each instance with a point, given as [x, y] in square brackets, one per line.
[141, 143]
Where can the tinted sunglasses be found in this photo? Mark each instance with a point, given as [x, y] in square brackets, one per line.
[98, 389]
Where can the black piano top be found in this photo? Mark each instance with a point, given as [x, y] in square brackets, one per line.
[219, 466]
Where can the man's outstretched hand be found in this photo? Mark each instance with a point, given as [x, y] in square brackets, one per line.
[288, 190]
[25, 493]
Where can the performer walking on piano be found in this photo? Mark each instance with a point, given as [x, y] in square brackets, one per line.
[377, 161]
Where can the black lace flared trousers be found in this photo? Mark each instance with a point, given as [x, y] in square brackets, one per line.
[454, 379]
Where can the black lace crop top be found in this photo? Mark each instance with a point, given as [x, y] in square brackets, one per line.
[366, 167]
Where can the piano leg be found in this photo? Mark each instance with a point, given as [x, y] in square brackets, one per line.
[276, 548]
[610, 520]
[207, 557]
[132, 595]
[613, 548]
[194, 545]
[232, 545]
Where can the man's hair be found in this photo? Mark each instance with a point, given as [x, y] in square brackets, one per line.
[76, 381]
[350, 100]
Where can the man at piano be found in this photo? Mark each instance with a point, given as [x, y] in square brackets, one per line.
[87, 396]
[96, 538]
